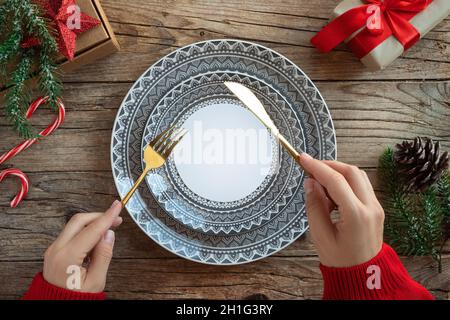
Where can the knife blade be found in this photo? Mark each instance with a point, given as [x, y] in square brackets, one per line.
[248, 98]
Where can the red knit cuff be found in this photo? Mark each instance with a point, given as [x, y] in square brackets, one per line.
[359, 282]
[42, 290]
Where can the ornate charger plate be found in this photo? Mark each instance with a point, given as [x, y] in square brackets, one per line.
[211, 211]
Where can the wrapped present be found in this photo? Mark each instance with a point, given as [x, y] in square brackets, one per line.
[379, 31]
[81, 32]
[93, 44]
[95, 41]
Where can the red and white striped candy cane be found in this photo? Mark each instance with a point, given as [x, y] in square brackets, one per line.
[23, 178]
[28, 143]
[47, 131]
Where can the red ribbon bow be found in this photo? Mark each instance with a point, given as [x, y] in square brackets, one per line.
[380, 20]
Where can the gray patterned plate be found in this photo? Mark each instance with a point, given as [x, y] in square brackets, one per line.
[229, 194]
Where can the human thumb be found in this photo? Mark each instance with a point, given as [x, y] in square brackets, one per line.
[318, 211]
[100, 259]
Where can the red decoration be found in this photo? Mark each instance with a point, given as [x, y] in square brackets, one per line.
[28, 143]
[30, 42]
[394, 18]
[23, 190]
[69, 22]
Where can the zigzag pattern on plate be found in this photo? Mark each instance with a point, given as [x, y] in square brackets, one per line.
[156, 82]
[196, 215]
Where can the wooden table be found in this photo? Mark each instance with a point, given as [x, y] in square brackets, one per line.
[71, 172]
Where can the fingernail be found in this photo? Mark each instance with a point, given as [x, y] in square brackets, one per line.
[309, 186]
[109, 237]
[115, 203]
[305, 156]
[117, 222]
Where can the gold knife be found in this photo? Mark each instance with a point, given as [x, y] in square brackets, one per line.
[249, 99]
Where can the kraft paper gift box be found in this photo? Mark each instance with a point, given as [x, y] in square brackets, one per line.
[388, 50]
[93, 44]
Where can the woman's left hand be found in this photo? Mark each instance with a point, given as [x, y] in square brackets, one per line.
[79, 258]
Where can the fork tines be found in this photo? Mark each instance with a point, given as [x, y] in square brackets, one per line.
[165, 142]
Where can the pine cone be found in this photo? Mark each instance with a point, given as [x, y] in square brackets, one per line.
[421, 163]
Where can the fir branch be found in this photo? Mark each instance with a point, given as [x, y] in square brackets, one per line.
[49, 84]
[37, 26]
[3, 15]
[399, 222]
[5, 8]
[16, 97]
[27, 19]
[413, 221]
[388, 171]
[11, 45]
[431, 226]
[443, 187]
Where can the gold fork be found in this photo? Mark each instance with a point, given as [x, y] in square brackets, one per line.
[156, 154]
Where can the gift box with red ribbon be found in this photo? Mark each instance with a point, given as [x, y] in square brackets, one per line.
[378, 31]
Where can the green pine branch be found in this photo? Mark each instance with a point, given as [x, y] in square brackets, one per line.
[3, 15]
[399, 221]
[49, 84]
[431, 229]
[38, 27]
[27, 20]
[5, 8]
[443, 187]
[11, 45]
[415, 223]
[17, 100]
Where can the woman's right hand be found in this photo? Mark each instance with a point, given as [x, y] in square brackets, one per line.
[358, 236]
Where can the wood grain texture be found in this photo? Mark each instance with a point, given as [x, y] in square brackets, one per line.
[71, 172]
[148, 29]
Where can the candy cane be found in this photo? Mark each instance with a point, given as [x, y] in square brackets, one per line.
[28, 143]
[47, 131]
[23, 178]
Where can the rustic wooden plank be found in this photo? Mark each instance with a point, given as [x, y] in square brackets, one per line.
[337, 65]
[367, 116]
[276, 277]
[366, 120]
[261, 22]
[370, 110]
[148, 30]
[26, 232]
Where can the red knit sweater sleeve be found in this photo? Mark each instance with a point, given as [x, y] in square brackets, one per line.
[383, 277]
[42, 290]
